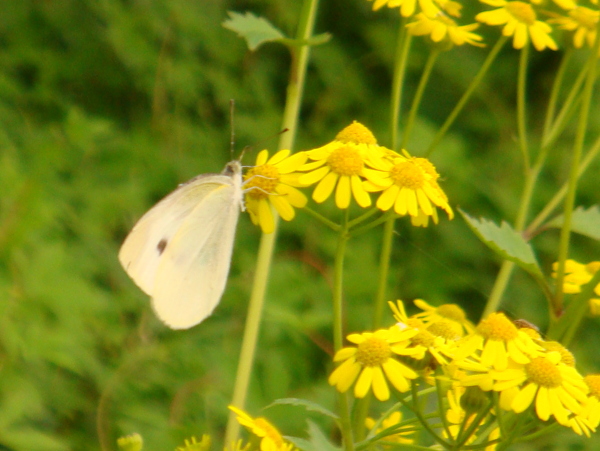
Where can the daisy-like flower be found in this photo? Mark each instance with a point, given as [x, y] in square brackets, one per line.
[398, 436]
[271, 437]
[434, 336]
[576, 275]
[272, 183]
[372, 361]
[449, 312]
[520, 21]
[592, 408]
[408, 7]
[409, 185]
[442, 29]
[554, 388]
[499, 341]
[341, 165]
[582, 22]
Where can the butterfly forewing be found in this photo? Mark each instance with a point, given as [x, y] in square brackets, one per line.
[190, 280]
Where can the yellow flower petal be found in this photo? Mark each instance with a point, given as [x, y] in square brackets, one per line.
[364, 382]
[342, 193]
[325, 187]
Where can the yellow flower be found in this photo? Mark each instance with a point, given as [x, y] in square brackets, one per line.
[520, 21]
[408, 184]
[592, 408]
[576, 275]
[582, 22]
[271, 184]
[557, 389]
[398, 436]
[271, 438]
[372, 360]
[497, 341]
[442, 28]
[433, 336]
[342, 165]
[408, 7]
[449, 312]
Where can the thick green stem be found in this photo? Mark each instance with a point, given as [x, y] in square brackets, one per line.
[295, 89]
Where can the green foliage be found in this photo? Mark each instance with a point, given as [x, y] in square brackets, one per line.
[256, 30]
[506, 242]
[106, 106]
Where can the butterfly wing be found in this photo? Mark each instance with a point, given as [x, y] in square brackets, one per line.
[143, 248]
[194, 266]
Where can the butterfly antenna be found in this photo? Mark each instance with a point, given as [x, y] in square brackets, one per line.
[232, 136]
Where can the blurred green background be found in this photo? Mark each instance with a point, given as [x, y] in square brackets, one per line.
[106, 105]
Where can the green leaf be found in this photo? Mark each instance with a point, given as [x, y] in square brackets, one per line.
[317, 442]
[255, 30]
[308, 405]
[506, 242]
[585, 222]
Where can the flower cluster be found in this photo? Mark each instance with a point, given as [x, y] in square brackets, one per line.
[350, 167]
[498, 356]
[576, 275]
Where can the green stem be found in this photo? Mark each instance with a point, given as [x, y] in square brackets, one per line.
[402, 49]
[565, 233]
[466, 96]
[295, 89]
[338, 327]
[560, 194]
[384, 270]
[521, 107]
[363, 405]
[414, 108]
[531, 176]
[566, 111]
[558, 81]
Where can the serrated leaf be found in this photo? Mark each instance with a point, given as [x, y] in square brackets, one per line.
[317, 442]
[308, 405]
[255, 30]
[585, 222]
[506, 242]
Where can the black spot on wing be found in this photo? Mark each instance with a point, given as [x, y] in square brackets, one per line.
[162, 244]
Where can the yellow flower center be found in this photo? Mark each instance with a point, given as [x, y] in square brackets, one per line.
[566, 356]
[262, 181]
[424, 338]
[373, 352]
[585, 17]
[448, 330]
[346, 160]
[497, 327]
[356, 133]
[451, 311]
[407, 174]
[521, 11]
[427, 166]
[593, 381]
[267, 430]
[542, 371]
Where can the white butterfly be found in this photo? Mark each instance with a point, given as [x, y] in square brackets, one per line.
[179, 252]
